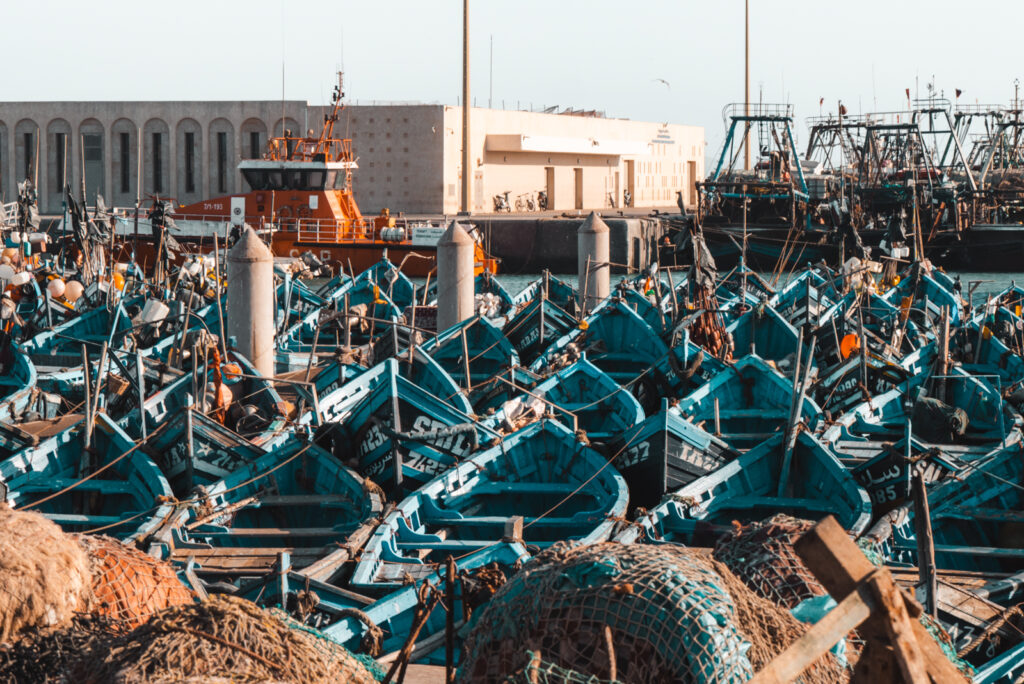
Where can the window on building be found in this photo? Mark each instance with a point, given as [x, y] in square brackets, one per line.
[30, 151]
[190, 162]
[254, 145]
[60, 141]
[222, 161]
[158, 166]
[125, 163]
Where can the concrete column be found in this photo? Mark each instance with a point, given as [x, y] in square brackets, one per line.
[250, 308]
[592, 240]
[455, 253]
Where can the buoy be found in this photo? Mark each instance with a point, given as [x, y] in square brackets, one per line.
[73, 290]
[56, 288]
[849, 345]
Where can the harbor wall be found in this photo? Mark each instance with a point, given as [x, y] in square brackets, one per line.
[528, 245]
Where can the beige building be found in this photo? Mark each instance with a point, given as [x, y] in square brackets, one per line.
[410, 159]
[409, 155]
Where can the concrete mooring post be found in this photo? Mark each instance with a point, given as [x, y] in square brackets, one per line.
[592, 252]
[455, 290]
[250, 311]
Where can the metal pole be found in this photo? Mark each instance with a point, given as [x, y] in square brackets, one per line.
[140, 371]
[466, 170]
[746, 84]
[449, 625]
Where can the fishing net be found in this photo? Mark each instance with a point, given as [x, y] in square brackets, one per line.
[658, 612]
[127, 585]
[228, 637]
[770, 629]
[327, 646]
[44, 574]
[536, 671]
[49, 655]
[761, 554]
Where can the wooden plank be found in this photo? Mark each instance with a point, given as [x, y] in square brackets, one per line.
[840, 566]
[897, 624]
[816, 641]
[925, 544]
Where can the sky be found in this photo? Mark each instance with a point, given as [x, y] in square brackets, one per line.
[591, 54]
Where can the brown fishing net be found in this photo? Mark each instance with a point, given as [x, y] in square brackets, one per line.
[227, 637]
[127, 585]
[761, 554]
[770, 629]
[44, 574]
[45, 656]
[648, 613]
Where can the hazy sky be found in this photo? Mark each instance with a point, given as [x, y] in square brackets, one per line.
[583, 53]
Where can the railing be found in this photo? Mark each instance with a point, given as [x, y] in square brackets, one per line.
[327, 230]
[757, 109]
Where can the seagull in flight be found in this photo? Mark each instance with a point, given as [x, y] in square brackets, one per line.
[661, 80]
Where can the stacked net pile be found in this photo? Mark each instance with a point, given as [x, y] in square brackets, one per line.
[770, 629]
[761, 554]
[44, 574]
[659, 613]
[328, 647]
[48, 655]
[536, 671]
[223, 637]
[127, 585]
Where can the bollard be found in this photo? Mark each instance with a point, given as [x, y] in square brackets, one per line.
[592, 241]
[251, 300]
[455, 289]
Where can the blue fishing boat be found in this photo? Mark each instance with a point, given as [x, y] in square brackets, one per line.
[126, 495]
[619, 342]
[298, 498]
[969, 420]
[585, 399]
[381, 415]
[804, 299]
[20, 398]
[977, 519]
[542, 476]
[61, 346]
[476, 354]
[746, 403]
[764, 332]
[557, 291]
[855, 379]
[391, 281]
[807, 481]
[924, 296]
[491, 298]
[535, 326]
[233, 392]
[664, 453]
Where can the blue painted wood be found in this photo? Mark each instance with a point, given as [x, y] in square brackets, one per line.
[132, 490]
[462, 510]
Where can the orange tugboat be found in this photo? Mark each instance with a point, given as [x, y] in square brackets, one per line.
[300, 201]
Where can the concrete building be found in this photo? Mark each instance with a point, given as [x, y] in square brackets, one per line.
[409, 154]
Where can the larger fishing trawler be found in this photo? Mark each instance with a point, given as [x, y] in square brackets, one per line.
[300, 201]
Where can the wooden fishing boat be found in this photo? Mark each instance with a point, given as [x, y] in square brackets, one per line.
[977, 519]
[803, 300]
[585, 399]
[557, 291]
[61, 346]
[807, 481]
[619, 342]
[476, 354]
[922, 295]
[746, 403]
[968, 421]
[542, 476]
[234, 392]
[491, 299]
[427, 437]
[20, 397]
[764, 332]
[535, 326]
[126, 496]
[664, 453]
[335, 611]
[297, 499]
[842, 386]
